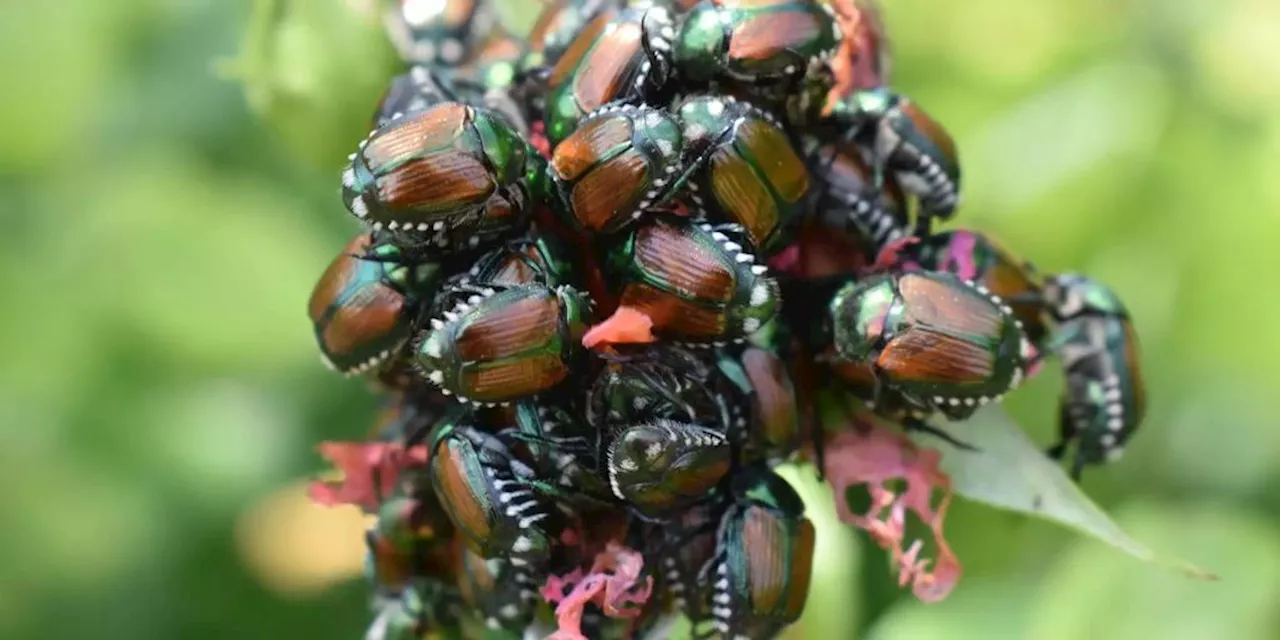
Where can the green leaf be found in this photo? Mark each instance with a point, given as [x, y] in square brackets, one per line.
[1010, 472]
[1088, 595]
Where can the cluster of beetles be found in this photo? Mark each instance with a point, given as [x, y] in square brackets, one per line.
[602, 269]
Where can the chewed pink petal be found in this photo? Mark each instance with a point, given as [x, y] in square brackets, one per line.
[873, 456]
[369, 472]
[613, 584]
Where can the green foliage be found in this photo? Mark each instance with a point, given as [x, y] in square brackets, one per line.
[161, 227]
[1009, 472]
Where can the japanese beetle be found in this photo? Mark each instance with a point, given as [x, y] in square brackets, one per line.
[759, 578]
[437, 32]
[906, 142]
[486, 493]
[504, 597]
[618, 56]
[763, 382]
[538, 258]
[620, 161]
[977, 258]
[665, 465]
[849, 201]
[747, 167]
[448, 174]
[364, 306]
[496, 345]
[1104, 400]
[755, 41]
[940, 342]
[694, 281]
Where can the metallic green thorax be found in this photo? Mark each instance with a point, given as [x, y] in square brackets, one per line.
[507, 152]
[701, 50]
[765, 526]
[859, 312]
[542, 255]
[1071, 296]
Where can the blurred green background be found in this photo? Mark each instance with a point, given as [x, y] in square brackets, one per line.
[168, 183]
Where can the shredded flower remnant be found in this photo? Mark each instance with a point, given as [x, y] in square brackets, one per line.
[613, 584]
[873, 458]
[369, 472]
[627, 325]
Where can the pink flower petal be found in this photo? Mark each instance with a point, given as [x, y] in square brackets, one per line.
[872, 456]
[613, 584]
[369, 472]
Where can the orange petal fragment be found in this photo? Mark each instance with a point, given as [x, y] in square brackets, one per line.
[627, 325]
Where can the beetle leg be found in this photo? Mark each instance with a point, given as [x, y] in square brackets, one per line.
[569, 444]
[916, 424]
[1077, 467]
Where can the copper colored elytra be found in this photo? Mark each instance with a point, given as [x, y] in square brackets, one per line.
[454, 490]
[759, 38]
[775, 397]
[927, 355]
[695, 269]
[337, 276]
[582, 43]
[591, 142]
[672, 313]
[611, 66]
[602, 193]
[525, 324]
